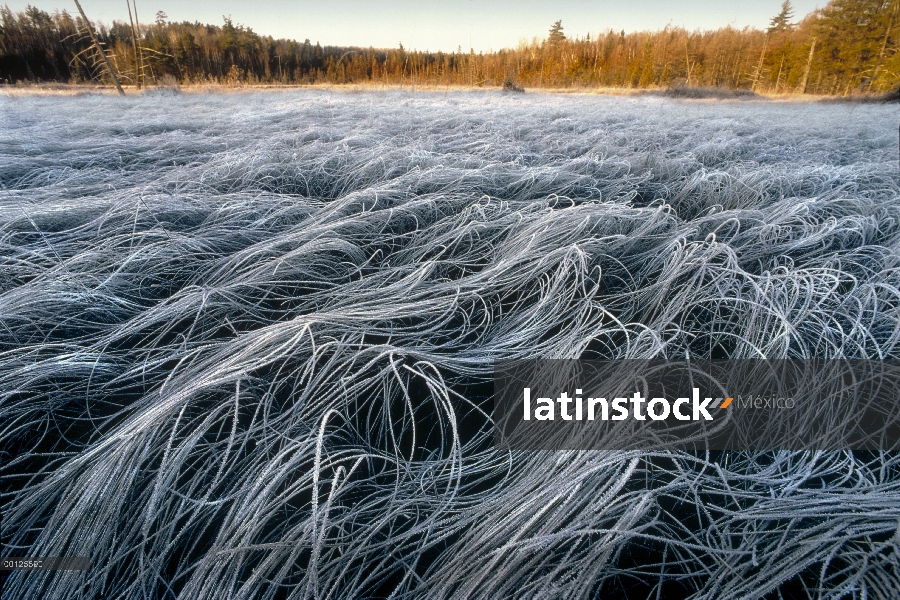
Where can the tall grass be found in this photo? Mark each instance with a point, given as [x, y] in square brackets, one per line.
[246, 341]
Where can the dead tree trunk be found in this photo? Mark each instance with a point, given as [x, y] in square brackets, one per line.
[109, 66]
[808, 65]
[138, 64]
[759, 67]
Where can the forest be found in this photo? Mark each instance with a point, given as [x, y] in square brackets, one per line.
[847, 47]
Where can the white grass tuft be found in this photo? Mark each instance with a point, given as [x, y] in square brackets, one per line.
[246, 340]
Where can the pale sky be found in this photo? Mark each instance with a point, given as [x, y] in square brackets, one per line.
[440, 24]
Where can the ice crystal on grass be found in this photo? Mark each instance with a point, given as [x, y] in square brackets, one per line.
[247, 339]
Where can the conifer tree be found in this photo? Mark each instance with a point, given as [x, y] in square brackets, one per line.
[782, 21]
[847, 47]
[556, 36]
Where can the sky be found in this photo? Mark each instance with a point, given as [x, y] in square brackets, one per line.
[482, 25]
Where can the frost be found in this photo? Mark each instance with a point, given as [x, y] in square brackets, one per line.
[247, 338]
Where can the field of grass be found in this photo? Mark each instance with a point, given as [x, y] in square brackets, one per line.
[246, 340]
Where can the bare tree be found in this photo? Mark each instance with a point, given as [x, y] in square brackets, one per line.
[100, 51]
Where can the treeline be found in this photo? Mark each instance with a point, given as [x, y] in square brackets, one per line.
[850, 46]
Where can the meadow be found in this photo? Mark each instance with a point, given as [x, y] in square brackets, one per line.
[246, 340]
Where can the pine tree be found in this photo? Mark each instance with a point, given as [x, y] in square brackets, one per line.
[556, 34]
[851, 34]
[782, 21]
[849, 46]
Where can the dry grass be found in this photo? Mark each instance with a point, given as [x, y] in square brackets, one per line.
[246, 340]
[61, 89]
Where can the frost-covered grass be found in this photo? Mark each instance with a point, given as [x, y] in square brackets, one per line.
[246, 340]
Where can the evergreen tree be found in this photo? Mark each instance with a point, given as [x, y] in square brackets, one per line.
[782, 21]
[850, 46]
[556, 36]
[857, 37]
